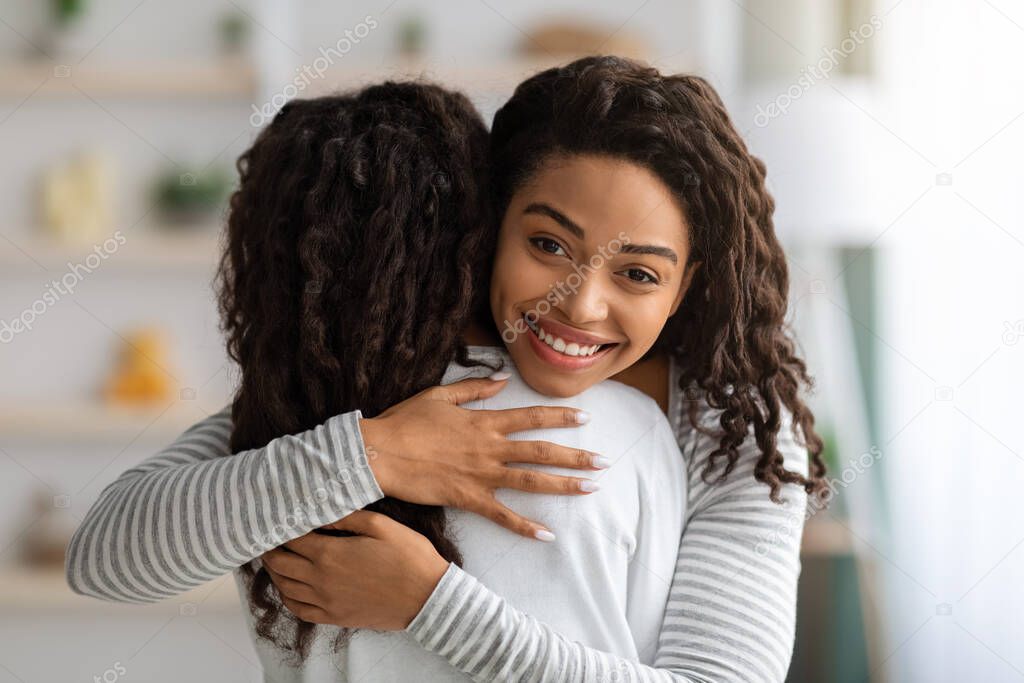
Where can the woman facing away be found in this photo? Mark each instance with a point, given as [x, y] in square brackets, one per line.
[596, 148]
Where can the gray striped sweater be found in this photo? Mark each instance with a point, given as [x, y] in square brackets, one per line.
[188, 515]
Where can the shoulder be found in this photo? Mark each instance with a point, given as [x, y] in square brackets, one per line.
[632, 422]
[789, 438]
[631, 414]
[699, 446]
[622, 396]
[219, 420]
[611, 400]
[216, 427]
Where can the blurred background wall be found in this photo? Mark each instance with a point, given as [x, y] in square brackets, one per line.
[891, 131]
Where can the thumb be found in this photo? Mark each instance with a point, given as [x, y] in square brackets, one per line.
[364, 523]
[474, 389]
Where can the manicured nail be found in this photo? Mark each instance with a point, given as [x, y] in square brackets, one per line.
[600, 461]
[544, 535]
[589, 485]
[582, 417]
[498, 376]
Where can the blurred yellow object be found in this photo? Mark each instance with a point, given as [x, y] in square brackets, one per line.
[139, 376]
[77, 197]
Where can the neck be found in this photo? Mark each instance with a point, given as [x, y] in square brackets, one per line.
[649, 376]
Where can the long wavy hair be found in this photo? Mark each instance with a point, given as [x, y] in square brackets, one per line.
[728, 335]
[355, 244]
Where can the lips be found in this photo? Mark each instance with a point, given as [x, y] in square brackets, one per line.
[566, 347]
[562, 346]
[567, 333]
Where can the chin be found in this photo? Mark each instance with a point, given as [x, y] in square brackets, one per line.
[545, 384]
[543, 379]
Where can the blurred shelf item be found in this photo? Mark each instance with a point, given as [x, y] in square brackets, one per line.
[26, 589]
[98, 422]
[473, 78]
[826, 538]
[222, 78]
[170, 248]
[578, 36]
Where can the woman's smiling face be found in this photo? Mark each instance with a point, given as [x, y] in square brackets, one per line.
[591, 263]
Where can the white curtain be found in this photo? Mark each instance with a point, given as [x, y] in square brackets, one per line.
[952, 339]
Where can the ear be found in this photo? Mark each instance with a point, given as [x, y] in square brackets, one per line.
[691, 270]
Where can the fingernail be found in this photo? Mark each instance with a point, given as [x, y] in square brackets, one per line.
[544, 535]
[498, 376]
[589, 485]
[600, 461]
[582, 417]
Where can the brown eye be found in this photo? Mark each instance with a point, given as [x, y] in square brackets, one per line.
[548, 246]
[641, 276]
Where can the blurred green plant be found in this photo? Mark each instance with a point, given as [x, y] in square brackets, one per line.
[830, 451]
[412, 36]
[234, 32]
[67, 11]
[191, 197]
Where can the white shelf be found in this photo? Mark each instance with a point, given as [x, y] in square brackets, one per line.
[472, 78]
[219, 79]
[194, 248]
[97, 422]
[237, 78]
[25, 589]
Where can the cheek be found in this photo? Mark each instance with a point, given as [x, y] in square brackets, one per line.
[644, 317]
[500, 272]
[520, 277]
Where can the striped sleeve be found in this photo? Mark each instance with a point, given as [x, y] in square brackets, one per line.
[188, 514]
[731, 613]
[731, 609]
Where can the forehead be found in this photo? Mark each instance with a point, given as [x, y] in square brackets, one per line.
[605, 196]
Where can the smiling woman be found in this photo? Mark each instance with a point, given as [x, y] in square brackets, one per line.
[613, 239]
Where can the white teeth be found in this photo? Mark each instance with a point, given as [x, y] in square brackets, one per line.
[560, 345]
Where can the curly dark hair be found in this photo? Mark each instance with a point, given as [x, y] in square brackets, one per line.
[729, 335]
[355, 243]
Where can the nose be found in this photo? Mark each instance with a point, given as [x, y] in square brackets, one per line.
[585, 303]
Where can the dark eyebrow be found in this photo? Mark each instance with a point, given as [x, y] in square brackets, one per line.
[557, 216]
[575, 229]
[650, 249]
